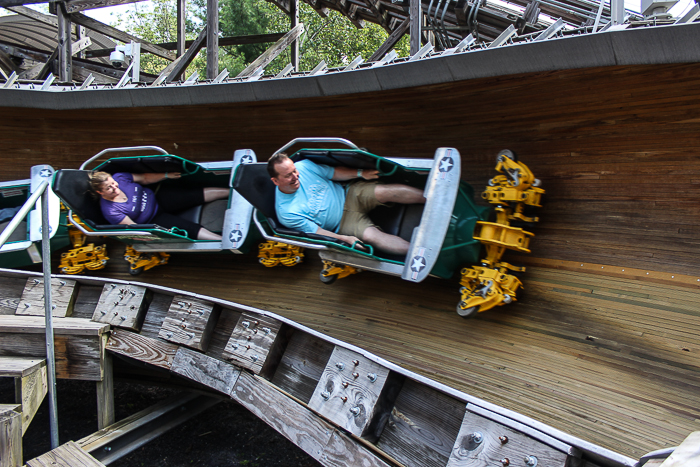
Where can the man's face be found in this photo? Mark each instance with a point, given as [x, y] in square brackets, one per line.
[287, 178]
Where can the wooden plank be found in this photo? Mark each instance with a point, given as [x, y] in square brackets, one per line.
[49, 20]
[274, 50]
[10, 436]
[33, 388]
[66, 455]
[302, 427]
[352, 393]
[208, 371]
[122, 306]
[63, 295]
[18, 367]
[155, 315]
[114, 33]
[77, 357]
[85, 302]
[10, 292]
[423, 426]
[105, 393]
[190, 322]
[61, 327]
[212, 38]
[302, 365]
[484, 442]
[73, 6]
[252, 341]
[686, 454]
[152, 351]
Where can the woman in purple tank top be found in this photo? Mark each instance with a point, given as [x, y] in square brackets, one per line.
[125, 200]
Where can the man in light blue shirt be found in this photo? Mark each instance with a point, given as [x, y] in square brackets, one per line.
[310, 199]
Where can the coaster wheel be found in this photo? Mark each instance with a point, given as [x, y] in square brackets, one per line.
[328, 280]
[467, 313]
[136, 271]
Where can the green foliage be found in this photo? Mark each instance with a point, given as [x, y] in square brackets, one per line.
[333, 39]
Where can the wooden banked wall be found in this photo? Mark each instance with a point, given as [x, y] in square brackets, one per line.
[597, 348]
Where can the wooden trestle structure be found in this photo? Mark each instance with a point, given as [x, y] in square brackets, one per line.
[604, 347]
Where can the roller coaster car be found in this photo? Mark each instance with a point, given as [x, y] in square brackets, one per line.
[18, 209]
[231, 217]
[440, 232]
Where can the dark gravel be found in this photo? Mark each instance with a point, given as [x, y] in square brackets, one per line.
[224, 435]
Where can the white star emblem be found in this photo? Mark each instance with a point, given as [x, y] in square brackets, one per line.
[446, 164]
[45, 173]
[235, 236]
[246, 159]
[418, 263]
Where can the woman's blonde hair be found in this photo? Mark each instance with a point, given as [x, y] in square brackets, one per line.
[96, 180]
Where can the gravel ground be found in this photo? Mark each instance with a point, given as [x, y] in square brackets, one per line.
[224, 435]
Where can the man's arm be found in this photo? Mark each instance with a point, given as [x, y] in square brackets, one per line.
[348, 173]
[346, 238]
[149, 178]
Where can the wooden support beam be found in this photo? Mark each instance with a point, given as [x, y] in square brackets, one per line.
[212, 38]
[105, 393]
[181, 43]
[6, 63]
[223, 41]
[294, 21]
[416, 23]
[271, 53]
[33, 14]
[65, 48]
[115, 33]
[44, 70]
[74, 6]
[178, 67]
[391, 41]
[282, 5]
[31, 384]
[11, 439]
[63, 294]
[66, 455]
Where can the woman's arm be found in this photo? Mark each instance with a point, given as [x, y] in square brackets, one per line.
[147, 179]
[127, 220]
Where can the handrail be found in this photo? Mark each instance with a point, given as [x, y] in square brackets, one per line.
[311, 246]
[22, 213]
[124, 149]
[112, 233]
[344, 141]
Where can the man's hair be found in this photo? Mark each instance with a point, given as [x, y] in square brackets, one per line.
[273, 161]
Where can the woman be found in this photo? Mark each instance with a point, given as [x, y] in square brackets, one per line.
[123, 200]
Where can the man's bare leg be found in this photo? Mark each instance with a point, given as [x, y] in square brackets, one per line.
[385, 242]
[205, 234]
[397, 193]
[214, 193]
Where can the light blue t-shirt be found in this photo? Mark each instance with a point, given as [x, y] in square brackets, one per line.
[317, 203]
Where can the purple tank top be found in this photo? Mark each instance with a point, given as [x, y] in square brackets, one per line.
[140, 205]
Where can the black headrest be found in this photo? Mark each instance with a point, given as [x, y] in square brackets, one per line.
[73, 187]
[253, 183]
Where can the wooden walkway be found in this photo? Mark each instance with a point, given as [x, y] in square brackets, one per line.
[608, 359]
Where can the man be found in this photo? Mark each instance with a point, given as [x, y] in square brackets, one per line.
[310, 199]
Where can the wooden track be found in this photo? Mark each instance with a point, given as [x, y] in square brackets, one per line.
[608, 355]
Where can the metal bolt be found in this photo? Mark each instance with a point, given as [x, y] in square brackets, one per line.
[183, 325]
[107, 448]
[346, 384]
[170, 334]
[234, 346]
[355, 375]
[254, 358]
[182, 304]
[355, 362]
[190, 335]
[133, 293]
[477, 437]
[326, 395]
[36, 281]
[62, 283]
[340, 366]
[103, 312]
[116, 313]
[355, 411]
[530, 460]
[249, 338]
[27, 305]
[132, 307]
[505, 461]
[116, 303]
[503, 439]
[123, 318]
[113, 286]
[245, 324]
[372, 377]
[344, 399]
[53, 307]
[256, 322]
[267, 331]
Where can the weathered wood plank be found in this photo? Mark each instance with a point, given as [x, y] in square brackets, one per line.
[253, 341]
[391, 41]
[208, 371]
[67, 455]
[74, 6]
[483, 442]
[10, 292]
[62, 326]
[274, 50]
[190, 322]
[63, 295]
[33, 388]
[10, 436]
[302, 365]
[152, 351]
[352, 392]
[155, 315]
[20, 366]
[311, 433]
[122, 306]
[423, 426]
[86, 301]
[105, 393]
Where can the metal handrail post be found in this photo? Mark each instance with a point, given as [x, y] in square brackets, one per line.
[51, 363]
[19, 217]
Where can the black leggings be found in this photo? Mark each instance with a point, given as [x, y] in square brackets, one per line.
[173, 200]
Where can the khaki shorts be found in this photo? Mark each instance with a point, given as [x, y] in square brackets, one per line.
[359, 200]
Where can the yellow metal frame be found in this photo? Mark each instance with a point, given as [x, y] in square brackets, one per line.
[341, 271]
[271, 254]
[138, 260]
[80, 257]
